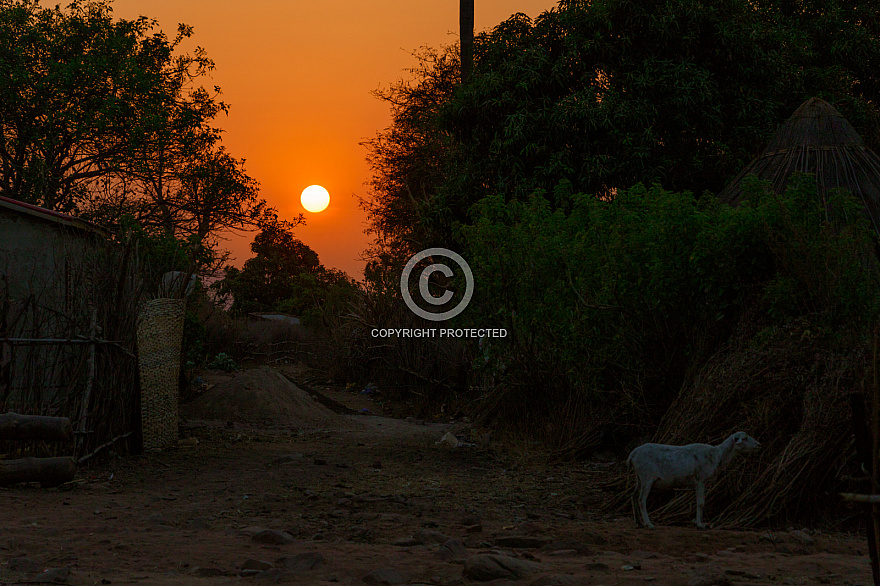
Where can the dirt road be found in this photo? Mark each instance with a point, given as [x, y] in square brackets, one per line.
[373, 500]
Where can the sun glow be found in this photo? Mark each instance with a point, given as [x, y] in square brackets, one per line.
[315, 198]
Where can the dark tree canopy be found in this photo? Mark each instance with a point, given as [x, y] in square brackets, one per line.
[82, 92]
[608, 93]
[595, 96]
[106, 118]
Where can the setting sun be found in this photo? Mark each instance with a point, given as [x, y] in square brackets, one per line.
[315, 198]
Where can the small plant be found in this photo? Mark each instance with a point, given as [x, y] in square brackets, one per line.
[223, 361]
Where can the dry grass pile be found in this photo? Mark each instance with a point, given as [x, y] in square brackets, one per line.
[258, 395]
[788, 387]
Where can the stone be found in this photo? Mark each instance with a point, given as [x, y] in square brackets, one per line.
[530, 528]
[51, 576]
[453, 549]
[428, 537]
[302, 562]
[556, 580]
[24, 565]
[384, 577]
[208, 572]
[768, 537]
[157, 519]
[593, 538]
[802, 537]
[709, 577]
[562, 552]
[273, 575]
[198, 524]
[258, 565]
[286, 459]
[273, 537]
[469, 520]
[449, 440]
[486, 567]
[567, 544]
[520, 541]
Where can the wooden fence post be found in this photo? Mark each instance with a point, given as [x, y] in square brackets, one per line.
[47, 471]
[863, 450]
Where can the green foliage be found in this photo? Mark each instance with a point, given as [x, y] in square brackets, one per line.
[156, 248]
[194, 337]
[223, 362]
[270, 276]
[615, 302]
[80, 91]
[105, 117]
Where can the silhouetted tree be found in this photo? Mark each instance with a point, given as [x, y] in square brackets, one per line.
[104, 118]
[285, 275]
[407, 158]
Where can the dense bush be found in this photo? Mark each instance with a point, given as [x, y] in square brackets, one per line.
[613, 305]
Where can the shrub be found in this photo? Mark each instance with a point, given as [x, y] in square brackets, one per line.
[223, 362]
[614, 305]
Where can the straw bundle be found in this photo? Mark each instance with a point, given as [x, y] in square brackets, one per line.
[160, 333]
[789, 391]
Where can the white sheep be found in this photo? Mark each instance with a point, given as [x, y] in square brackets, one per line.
[678, 466]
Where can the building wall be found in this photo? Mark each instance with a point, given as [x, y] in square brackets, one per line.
[39, 259]
[47, 290]
[62, 279]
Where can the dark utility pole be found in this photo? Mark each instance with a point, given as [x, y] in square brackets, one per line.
[466, 24]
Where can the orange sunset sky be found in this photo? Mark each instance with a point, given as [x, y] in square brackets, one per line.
[298, 77]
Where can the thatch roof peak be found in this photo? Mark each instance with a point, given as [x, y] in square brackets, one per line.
[815, 123]
[816, 139]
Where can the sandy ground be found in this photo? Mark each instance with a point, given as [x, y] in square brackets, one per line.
[365, 499]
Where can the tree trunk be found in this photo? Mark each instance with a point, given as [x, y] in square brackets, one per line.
[34, 427]
[48, 472]
[466, 24]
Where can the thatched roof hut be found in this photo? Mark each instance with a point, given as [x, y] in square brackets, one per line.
[818, 140]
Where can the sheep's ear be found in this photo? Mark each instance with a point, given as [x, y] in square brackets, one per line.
[738, 439]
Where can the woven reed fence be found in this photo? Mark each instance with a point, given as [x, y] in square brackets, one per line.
[160, 334]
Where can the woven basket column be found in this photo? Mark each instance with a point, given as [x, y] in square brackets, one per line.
[160, 333]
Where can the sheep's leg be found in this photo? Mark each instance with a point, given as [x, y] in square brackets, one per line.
[644, 489]
[701, 500]
[635, 502]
